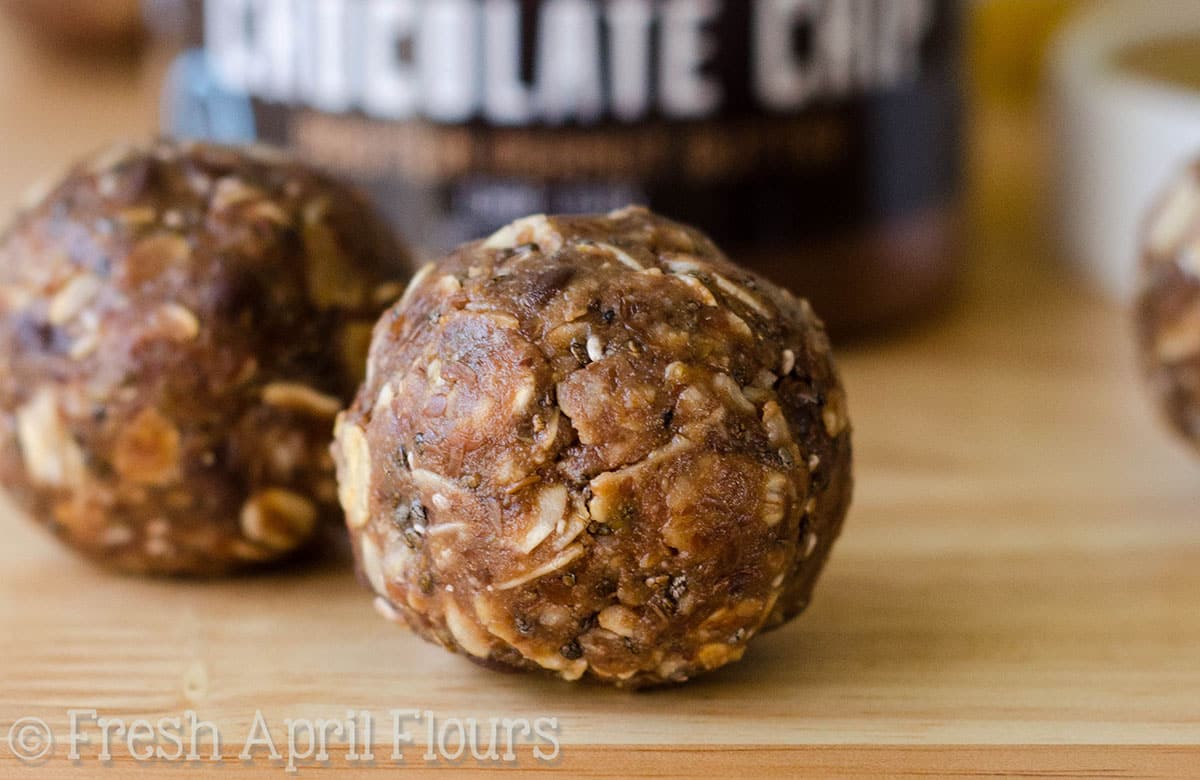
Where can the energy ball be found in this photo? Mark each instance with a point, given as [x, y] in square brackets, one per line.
[179, 326]
[594, 446]
[1168, 307]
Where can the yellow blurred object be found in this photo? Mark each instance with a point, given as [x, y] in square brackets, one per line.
[1007, 46]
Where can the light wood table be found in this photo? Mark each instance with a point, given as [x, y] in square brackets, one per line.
[1021, 570]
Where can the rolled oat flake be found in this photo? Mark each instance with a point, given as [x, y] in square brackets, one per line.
[817, 140]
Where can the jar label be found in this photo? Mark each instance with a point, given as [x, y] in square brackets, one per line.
[763, 121]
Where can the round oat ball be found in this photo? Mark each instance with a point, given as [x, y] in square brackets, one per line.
[1168, 307]
[594, 446]
[179, 325]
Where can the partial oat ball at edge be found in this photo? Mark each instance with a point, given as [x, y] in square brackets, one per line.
[179, 325]
[594, 446]
[1168, 305]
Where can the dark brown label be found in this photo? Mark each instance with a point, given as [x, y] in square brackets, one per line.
[763, 121]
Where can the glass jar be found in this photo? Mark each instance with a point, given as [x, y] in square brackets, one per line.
[817, 141]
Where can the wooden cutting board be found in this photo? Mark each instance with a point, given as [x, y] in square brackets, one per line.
[1017, 590]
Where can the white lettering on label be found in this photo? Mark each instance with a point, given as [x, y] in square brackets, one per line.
[228, 51]
[857, 46]
[390, 88]
[456, 60]
[506, 99]
[686, 93]
[330, 79]
[629, 26]
[568, 70]
[278, 60]
[448, 66]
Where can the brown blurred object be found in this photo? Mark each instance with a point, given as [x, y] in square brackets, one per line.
[57, 108]
[1008, 40]
[1174, 61]
[84, 25]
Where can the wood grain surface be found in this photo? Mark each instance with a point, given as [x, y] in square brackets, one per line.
[1017, 590]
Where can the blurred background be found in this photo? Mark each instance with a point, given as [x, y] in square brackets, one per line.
[871, 196]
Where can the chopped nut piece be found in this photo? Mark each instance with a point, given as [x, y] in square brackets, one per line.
[552, 505]
[606, 490]
[1176, 216]
[51, 455]
[231, 191]
[716, 654]
[112, 157]
[178, 323]
[466, 631]
[37, 192]
[834, 414]
[158, 547]
[332, 282]
[765, 379]
[387, 610]
[72, 298]
[776, 425]
[138, 216]
[595, 350]
[620, 620]
[173, 218]
[385, 397]
[531, 230]
[372, 565]
[559, 561]
[810, 544]
[448, 284]
[147, 450]
[622, 256]
[85, 345]
[742, 294]
[279, 519]
[266, 211]
[117, 535]
[787, 363]
[266, 153]
[153, 256]
[301, 398]
[725, 384]
[705, 295]
[387, 293]
[775, 498]
[354, 473]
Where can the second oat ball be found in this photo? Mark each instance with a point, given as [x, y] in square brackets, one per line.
[1168, 306]
[594, 446]
[179, 325]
